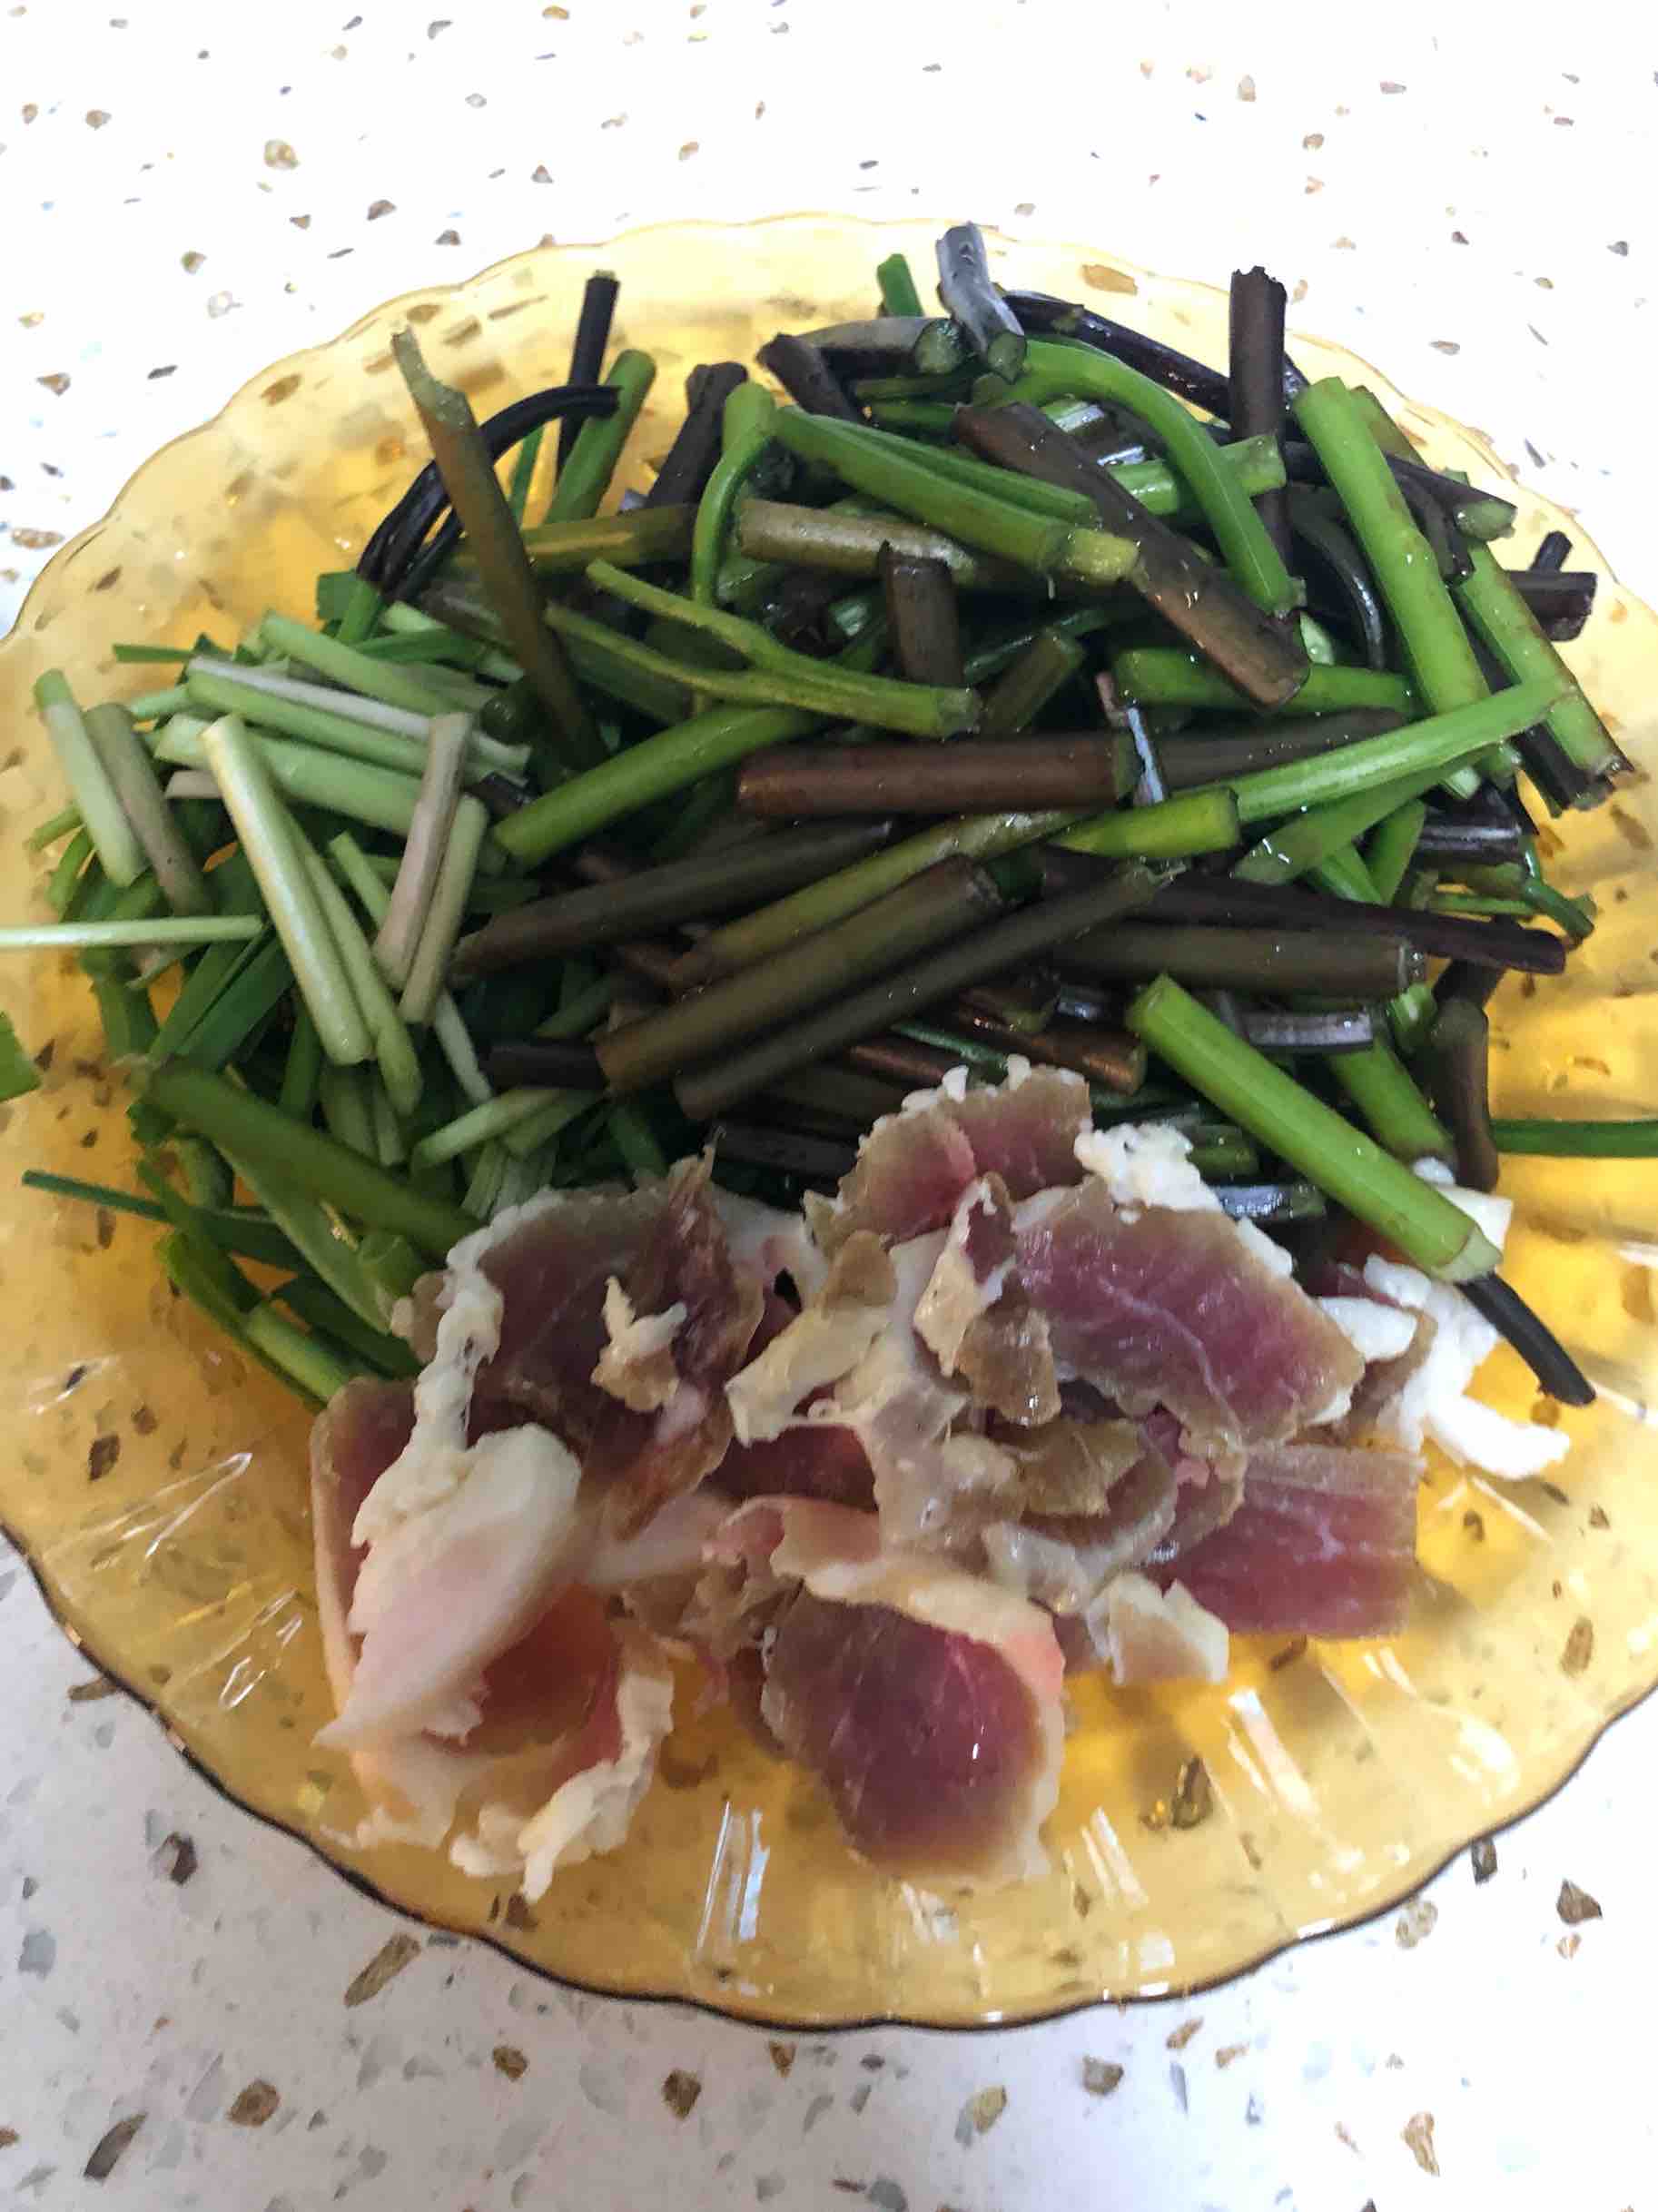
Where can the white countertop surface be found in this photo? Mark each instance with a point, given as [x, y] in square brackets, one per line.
[191, 191]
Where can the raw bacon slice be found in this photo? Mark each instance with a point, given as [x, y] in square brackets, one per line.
[1159, 1307]
[1025, 1130]
[448, 1588]
[911, 1170]
[567, 1720]
[1323, 1544]
[926, 1700]
[550, 1259]
[548, 1266]
[913, 1166]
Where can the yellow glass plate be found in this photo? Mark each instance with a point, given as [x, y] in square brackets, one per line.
[158, 1484]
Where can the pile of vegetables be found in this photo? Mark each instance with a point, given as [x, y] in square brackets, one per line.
[1014, 684]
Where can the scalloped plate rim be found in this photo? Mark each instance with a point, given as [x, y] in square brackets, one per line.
[733, 2007]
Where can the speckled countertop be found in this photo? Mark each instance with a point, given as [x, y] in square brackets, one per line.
[191, 191]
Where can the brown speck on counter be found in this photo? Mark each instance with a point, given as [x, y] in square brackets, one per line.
[1579, 1647]
[101, 1456]
[1342, 2136]
[56, 383]
[1445, 345]
[106, 2154]
[980, 2114]
[1575, 1905]
[1227, 2052]
[96, 117]
[279, 155]
[254, 2105]
[680, 2092]
[377, 208]
[1597, 1517]
[1414, 1923]
[688, 149]
[387, 1963]
[8, 2136]
[1417, 2135]
[89, 1692]
[781, 2055]
[175, 1858]
[1312, 142]
[1389, 86]
[190, 262]
[1246, 90]
[1569, 1945]
[1178, 2038]
[1483, 1859]
[510, 2061]
[300, 222]
[447, 238]
[1100, 2076]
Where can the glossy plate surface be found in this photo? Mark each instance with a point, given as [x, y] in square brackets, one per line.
[158, 1487]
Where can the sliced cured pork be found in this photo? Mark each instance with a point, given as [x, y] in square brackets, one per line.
[1159, 1307]
[926, 1700]
[1323, 1544]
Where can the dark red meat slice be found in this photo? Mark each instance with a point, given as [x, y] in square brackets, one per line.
[1155, 1306]
[912, 1167]
[640, 1460]
[1323, 1544]
[927, 1742]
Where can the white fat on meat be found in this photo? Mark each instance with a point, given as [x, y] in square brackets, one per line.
[955, 1297]
[820, 1346]
[1145, 1163]
[672, 1543]
[1161, 1636]
[1434, 1402]
[952, 1087]
[590, 1807]
[901, 1410]
[1374, 1331]
[437, 1459]
[768, 1242]
[636, 1365]
[446, 1589]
